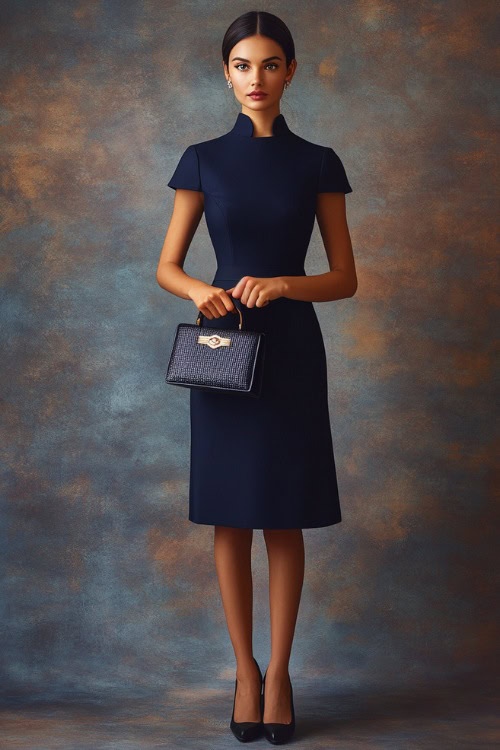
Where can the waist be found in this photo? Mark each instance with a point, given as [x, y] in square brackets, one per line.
[237, 271]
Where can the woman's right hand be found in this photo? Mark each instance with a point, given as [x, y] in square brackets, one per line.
[212, 301]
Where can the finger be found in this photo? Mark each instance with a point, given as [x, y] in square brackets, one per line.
[211, 310]
[240, 286]
[219, 307]
[216, 305]
[249, 286]
[252, 297]
[234, 309]
[206, 312]
[227, 302]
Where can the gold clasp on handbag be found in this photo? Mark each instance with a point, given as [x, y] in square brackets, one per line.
[214, 341]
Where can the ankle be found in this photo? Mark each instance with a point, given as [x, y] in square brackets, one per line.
[246, 669]
[278, 670]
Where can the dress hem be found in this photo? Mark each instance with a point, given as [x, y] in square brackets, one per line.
[259, 528]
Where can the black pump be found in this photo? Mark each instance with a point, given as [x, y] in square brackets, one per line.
[274, 732]
[246, 731]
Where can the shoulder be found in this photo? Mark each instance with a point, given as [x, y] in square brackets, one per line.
[323, 158]
[192, 163]
[304, 143]
[206, 147]
[315, 150]
[330, 172]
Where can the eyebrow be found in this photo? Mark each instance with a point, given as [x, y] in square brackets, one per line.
[266, 59]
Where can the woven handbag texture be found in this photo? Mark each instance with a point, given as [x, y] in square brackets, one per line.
[230, 367]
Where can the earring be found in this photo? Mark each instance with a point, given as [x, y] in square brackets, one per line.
[229, 84]
[287, 84]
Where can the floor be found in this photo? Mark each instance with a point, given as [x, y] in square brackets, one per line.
[447, 715]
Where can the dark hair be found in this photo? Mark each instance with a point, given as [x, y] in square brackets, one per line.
[258, 22]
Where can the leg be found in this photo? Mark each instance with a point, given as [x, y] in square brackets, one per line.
[285, 550]
[233, 561]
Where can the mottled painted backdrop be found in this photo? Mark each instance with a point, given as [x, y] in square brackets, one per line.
[105, 584]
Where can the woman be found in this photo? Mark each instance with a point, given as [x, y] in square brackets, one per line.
[262, 463]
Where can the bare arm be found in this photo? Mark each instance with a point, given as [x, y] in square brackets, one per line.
[188, 210]
[341, 281]
[186, 216]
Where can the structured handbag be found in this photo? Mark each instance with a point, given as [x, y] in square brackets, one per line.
[217, 359]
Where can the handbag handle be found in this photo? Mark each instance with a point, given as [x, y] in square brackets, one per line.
[200, 315]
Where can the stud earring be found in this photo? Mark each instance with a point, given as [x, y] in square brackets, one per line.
[229, 84]
[287, 84]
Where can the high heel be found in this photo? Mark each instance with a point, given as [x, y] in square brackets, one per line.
[275, 732]
[246, 731]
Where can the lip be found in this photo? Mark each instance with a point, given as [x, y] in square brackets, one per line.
[258, 95]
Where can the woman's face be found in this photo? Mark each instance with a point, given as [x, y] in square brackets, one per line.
[258, 63]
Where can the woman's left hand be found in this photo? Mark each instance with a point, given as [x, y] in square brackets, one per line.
[255, 291]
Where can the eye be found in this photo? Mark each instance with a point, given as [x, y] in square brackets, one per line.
[238, 66]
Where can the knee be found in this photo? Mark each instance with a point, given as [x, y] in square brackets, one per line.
[284, 534]
[233, 533]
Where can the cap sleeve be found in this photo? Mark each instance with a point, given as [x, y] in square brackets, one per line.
[332, 176]
[187, 172]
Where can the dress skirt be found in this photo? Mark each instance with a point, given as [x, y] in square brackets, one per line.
[267, 462]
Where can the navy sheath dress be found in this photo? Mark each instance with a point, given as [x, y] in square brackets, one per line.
[264, 462]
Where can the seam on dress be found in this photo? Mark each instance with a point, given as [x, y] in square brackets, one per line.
[321, 169]
[198, 163]
[228, 233]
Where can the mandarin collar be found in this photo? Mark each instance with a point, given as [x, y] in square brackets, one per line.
[244, 126]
